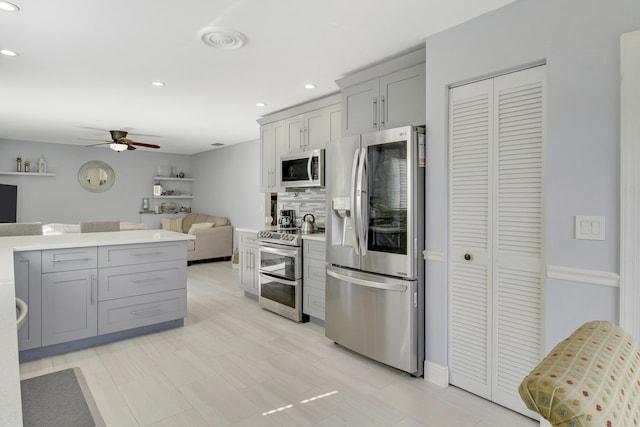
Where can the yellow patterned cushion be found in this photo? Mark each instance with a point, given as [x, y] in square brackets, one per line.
[172, 224]
[592, 378]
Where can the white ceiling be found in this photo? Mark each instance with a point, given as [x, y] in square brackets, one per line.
[85, 67]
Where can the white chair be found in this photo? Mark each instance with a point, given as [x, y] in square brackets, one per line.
[99, 226]
[21, 229]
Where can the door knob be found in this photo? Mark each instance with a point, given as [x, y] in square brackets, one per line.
[468, 257]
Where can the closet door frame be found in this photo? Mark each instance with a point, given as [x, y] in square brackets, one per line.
[630, 183]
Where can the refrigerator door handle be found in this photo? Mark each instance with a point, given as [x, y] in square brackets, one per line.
[354, 207]
[362, 195]
[367, 283]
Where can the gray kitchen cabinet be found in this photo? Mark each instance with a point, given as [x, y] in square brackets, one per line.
[313, 278]
[28, 282]
[248, 250]
[76, 294]
[70, 306]
[274, 142]
[142, 310]
[68, 259]
[384, 96]
[312, 130]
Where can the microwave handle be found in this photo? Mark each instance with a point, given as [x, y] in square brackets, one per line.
[309, 162]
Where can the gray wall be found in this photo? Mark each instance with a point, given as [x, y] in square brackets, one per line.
[227, 183]
[61, 199]
[579, 40]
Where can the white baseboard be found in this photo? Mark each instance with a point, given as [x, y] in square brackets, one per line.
[436, 374]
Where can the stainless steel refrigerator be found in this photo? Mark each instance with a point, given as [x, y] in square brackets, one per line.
[375, 238]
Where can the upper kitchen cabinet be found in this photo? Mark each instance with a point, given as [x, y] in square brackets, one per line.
[384, 96]
[273, 143]
[314, 129]
[300, 128]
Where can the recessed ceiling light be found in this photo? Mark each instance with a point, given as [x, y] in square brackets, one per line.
[8, 52]
[310, 86]
[158, 83]
[261, 104]
[9, 7]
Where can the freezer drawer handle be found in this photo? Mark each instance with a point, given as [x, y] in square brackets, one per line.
[356, 281]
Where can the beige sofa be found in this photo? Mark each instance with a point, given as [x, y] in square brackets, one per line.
[214, 235]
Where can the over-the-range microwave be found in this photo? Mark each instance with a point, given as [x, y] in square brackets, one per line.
[304, 169]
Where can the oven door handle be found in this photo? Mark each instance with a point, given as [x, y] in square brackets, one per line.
[279, 280]
[278, 251]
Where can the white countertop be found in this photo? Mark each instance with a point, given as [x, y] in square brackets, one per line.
[320, 237]
[10, 401]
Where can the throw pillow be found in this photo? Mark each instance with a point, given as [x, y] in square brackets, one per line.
[172, 224]
[200, 226]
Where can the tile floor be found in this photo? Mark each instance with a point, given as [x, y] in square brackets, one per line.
[235, 364]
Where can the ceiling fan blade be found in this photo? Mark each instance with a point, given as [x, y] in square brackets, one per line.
[131, 147]
[92, 139]
[100, 143]
[142, 144]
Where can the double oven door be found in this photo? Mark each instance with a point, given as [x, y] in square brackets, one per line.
[281, 280]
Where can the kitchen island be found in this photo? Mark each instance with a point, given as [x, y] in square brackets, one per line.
[10, 406]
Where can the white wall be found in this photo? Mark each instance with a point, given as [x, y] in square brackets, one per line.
[579, 41]
[227, 183]
[61, 199]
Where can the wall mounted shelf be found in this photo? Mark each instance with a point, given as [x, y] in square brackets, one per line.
[180, 196]
[166, 178]
[27, 173]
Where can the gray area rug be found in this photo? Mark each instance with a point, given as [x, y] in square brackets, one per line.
[59, 399]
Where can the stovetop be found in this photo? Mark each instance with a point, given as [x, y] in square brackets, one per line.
[284, 236]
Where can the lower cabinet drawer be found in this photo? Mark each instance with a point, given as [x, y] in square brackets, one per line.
[112, 256]
[313, 302]
[132, 280]
[71, 259]
[127, 313]
[314, 272]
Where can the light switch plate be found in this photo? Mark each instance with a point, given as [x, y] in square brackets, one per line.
[589, 227]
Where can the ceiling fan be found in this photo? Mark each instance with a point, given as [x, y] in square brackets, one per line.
[120, 142]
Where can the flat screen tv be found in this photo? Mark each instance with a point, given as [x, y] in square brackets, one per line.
[8, 202]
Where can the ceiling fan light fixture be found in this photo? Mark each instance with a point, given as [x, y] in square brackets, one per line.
[8, 7]
[118, 146]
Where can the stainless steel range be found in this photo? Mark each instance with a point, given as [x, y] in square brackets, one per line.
[280, 255]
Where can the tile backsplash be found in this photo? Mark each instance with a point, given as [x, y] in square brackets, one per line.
[309, 200]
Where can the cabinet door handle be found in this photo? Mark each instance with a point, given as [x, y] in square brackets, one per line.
[147, 279]
[301, 141]
[93, 282]
[382, 112]
[146, 310]
[70, 259]
[148, 253]
[375, 113]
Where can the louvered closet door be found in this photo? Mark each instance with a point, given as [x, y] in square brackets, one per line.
[470, 130]
[497, 219]
[519, 244]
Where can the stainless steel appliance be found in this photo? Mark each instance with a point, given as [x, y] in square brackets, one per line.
[305, 169]
[280, 284]
[375, 239]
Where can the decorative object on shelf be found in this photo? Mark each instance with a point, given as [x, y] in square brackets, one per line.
[145, 204]
[168, 207]
[42, 165]
[157, 189]
[26, 165]
[19, 165]
[96, 176]
[181, 175]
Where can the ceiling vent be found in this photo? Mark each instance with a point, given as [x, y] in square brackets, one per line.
[217, 144]
[222, 38]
